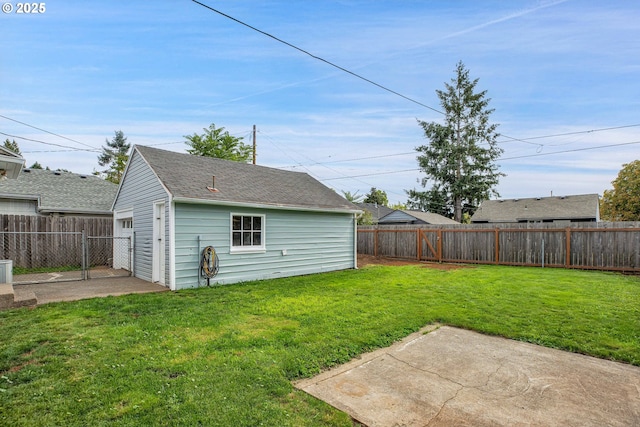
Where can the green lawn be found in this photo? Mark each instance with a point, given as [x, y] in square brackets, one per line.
[227, 355]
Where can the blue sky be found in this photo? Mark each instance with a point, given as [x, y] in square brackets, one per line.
[566, 71]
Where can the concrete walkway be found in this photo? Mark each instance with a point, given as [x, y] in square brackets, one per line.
[82, 289]
[452, 377]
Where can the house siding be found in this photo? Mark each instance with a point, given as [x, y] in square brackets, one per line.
[18, 207]
[139, 190]
[332, 248]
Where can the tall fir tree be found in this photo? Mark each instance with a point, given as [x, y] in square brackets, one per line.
[12, 145]
[115, 155]
[460, 159]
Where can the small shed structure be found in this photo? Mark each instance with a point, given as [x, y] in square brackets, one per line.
[563, 209]
[257, 222]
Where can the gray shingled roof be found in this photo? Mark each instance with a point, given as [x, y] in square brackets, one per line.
[187, 177]
[582, 207]
[377, 211]
[415, 217]
[61, 191]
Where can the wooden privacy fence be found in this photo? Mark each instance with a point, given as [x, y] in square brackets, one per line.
[43, 241]
[601, 246]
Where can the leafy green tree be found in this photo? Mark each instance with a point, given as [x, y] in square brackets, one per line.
[399, 206]
[12, 145]
[365, 218]
[376, 196]
[36, 165]
[459, 161]
[216, 142]
[622, 203]
[115, 155]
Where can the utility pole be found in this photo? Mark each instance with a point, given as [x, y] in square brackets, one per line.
[254, 144]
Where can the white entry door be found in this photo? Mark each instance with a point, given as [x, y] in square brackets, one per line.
[158, 273]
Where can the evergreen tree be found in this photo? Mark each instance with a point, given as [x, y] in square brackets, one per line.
[459, 160]
[352, 197]
[12, 145]
[115, 155]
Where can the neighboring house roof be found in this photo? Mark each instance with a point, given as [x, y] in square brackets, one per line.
[10, 164]
[583, 207]
[188, 179]
[415, 217]
[62, 192]
[377, 211]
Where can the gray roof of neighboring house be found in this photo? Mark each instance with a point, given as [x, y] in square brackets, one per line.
[415, 217]
[187, 177]
[377, 211]
[62, 192]
[583, 207]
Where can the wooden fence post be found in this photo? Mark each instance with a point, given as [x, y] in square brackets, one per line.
[567, 259]
[375, 243]
[497, 245]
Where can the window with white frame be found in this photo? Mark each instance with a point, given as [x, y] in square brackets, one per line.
[247, 232]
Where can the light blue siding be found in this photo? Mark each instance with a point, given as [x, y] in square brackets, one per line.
[140, 189]
[313, 242]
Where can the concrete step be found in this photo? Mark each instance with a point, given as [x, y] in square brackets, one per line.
[24, 298]
[9, 298]
[6, 295]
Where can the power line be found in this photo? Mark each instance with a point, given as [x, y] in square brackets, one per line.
[371, 174]
[577, 132]
[523, 139]
[48, 143]
[46, 131]
[571, 151]
[317, 57]
[506, 158]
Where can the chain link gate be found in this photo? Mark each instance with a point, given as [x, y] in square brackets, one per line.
[108, 257]
[54, 256]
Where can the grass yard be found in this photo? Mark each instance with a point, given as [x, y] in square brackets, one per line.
[226, 356]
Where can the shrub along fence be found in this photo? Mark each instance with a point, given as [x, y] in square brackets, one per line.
[601, 246]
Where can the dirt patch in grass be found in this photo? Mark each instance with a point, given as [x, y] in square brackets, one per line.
[364, 260]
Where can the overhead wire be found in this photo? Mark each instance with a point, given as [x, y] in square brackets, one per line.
[49, 143]
[46, 131]
[524, 140]
[332, 64]
[317, 163]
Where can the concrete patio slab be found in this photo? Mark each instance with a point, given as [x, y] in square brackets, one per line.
[444, 376]
[82, 289]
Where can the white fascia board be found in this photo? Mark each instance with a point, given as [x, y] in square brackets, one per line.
[261, 205]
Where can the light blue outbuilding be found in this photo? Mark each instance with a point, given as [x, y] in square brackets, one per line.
[259, 222]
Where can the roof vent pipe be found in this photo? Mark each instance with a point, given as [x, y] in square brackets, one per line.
[213, 188]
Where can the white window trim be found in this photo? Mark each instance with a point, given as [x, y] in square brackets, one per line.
[248, 249]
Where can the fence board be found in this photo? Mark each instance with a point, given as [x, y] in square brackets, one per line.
[49, 241]
[602, 246]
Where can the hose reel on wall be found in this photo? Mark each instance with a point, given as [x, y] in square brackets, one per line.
[209, 263]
